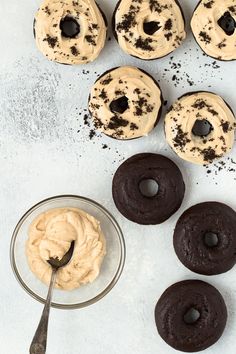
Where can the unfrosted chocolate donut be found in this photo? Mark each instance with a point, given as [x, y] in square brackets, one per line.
[205, 238]
[136, 206]
[191, 315]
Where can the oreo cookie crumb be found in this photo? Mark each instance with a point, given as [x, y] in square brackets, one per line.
[209, 154]
[117, 122]
[209, 4]
[205, 37]
[168, 25]
[128, 21]
[92, 133]
[180, 139]
[107, 80]
[74, 51]
[52, 41]
[225, 126]
[90, 39]
[227, 165]
[144, 44]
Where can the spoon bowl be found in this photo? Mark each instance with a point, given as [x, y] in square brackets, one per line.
[57, 263]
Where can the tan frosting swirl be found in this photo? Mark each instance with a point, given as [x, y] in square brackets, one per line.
[130, 17]
[86, 46]
[180, 120]
[208, 33]
[51, 234]
[144, 103]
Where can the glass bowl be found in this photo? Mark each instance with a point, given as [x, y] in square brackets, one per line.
[112, 265]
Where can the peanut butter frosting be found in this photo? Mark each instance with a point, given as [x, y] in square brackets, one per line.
[149, 29]
[125, 103]
[51, 234]
[180, 123]
[214, 27]
[79, 48]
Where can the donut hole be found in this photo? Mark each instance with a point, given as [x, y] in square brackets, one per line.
[69, 27]
[192, 316]
[151, 27]
[227, 23]
[202, 127]
[149, 188]
[120, 105]
[211, 239]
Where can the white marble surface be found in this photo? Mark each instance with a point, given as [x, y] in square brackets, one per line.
[42, 154]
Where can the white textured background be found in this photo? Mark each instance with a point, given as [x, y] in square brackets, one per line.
[43, 154]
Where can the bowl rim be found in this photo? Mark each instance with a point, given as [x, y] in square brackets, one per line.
[111, 284]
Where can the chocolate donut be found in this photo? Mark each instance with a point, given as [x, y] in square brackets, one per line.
[199, 127]
[71, 32]
[214, 28]
[143, 208]
[149, 29]
[205, 238]
[125, 103]
[191, 315]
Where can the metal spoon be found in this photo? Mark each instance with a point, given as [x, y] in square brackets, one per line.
[39, 342]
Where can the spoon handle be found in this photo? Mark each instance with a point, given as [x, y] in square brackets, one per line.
[39, 342]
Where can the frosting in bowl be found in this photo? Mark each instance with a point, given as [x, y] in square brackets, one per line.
[51, 234]
[214, 27]
[149, 29]
[125, 103]
[85, 45]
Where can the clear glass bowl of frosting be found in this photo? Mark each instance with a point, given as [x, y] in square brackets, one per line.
[111, 267]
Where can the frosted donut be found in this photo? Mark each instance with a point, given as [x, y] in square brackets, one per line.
[200, 127]
[70, 31]
[149, 29]
[214, 28]
[125, 103]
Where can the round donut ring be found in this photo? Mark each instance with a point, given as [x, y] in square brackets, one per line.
[213, 25]
[125, 103]
[142, 209]
[191, 315]
[148, 30]
[205, 238]
[71, 32]
[189, 110]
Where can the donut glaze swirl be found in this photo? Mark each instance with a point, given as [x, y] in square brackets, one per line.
[149, 29]
[180, 121]
[214, 27]
[82, 48]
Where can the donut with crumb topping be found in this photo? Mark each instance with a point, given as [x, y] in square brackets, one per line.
[125, 103]
[149, 29]
[200, 127]
[214, 28]
[70, 32]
